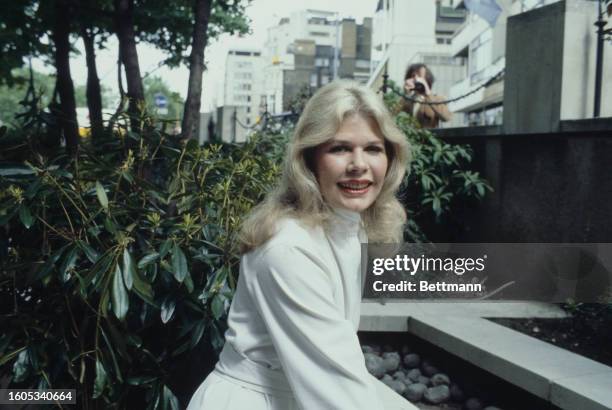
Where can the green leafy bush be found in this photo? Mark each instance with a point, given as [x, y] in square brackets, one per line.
[120, 261]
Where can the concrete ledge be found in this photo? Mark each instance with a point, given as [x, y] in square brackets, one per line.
[392, 315]
[566, 379]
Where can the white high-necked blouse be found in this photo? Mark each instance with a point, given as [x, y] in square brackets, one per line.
[295, 314]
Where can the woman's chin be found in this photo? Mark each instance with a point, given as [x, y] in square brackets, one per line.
[355, 204]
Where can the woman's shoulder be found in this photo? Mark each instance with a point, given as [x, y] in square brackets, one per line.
[291, 234]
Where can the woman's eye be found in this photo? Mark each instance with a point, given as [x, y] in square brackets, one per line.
[339, 148]
[375, 148]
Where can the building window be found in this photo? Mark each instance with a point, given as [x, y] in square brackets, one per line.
[439, 40]
[362, 64]
[324, 79]
[313, 80]
[321, 62]
[319, 34]
[480, 56]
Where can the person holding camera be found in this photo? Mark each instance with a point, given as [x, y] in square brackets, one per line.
[418, 82]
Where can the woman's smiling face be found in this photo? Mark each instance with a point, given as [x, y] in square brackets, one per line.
[351, 167]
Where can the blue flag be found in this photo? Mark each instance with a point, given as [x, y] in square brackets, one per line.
[488, 10]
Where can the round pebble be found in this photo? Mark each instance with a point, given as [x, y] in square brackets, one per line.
[374, 364]
[391, 361]
[437, 394]
[399, 375]
[440, 378]
[415, 392]
[398, 386]
[428, 368]
[412, 360]
[414, 375]
[367, 349]
[424, 380]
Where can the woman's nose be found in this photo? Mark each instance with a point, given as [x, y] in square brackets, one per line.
[357, 162]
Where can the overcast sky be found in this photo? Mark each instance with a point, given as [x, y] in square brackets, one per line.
[263, 14]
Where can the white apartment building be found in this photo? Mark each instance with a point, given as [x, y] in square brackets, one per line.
[279, 50]
[243, 85]
[308, 49]
[416, 31]
[484, 47]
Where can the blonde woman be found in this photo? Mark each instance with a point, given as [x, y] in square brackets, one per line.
[291, 342]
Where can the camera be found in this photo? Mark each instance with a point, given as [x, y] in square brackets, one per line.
[419, 88]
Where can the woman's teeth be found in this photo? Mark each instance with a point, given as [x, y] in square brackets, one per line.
[354, 187]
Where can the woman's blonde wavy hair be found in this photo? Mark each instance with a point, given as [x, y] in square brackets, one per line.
[298, 194]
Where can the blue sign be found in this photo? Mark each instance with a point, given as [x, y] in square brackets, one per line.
[160, 101]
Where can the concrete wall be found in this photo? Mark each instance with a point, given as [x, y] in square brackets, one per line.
[548, 188]
[229, 119]
[550, 67]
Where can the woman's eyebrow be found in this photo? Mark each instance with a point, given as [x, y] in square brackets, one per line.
[370, 142]
[376, 142]
[340, 141]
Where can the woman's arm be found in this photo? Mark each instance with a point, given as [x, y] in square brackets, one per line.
[441, 110]
[318, 348]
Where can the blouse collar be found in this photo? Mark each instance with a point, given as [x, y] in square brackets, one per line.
[345, 221]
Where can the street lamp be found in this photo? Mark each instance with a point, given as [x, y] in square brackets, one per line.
[601, 32]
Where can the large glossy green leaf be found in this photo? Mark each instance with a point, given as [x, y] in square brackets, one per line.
[197, 333]
[10, 356]
[101, 193]
[110, 226]
[26, 216]
[89, 252]
[170, 401]
[140, 380]
[21, 366]
[69, 262]
[101, 379]
[96, 273]
[104, 301]
[128, 269]
[163, 250]
[119, 295]
[143, 288]
[167, 309]
[179, 263]
[111, 350]
[188, 282]
[147, 259]
[217, 306]
[9, 170]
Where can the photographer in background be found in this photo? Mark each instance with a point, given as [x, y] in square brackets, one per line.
[417, 84]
